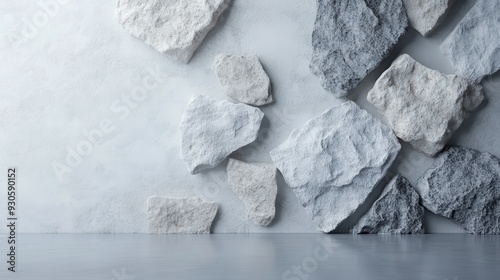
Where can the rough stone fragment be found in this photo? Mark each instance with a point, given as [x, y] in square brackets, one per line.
[397, 211]
[351, 38]
[212, 129]
[425, 15]
[173, 27]
[423, 106]
[180, 215]
[255, 185]
[243, 78]
[333, 162]
[464, 185]
[474, 46]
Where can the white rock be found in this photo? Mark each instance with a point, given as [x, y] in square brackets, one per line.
[173, 27]
[423, 106]
[212, 129]
[243, 78]
[425, 15]
[474, 46]
[255, 185]
[333, 162]
[180, 215]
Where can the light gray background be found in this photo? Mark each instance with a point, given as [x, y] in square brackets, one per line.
[63, 78]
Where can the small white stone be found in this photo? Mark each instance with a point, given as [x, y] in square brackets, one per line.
[173, 27]
[425, 15]
[243, 78]
[474, 46]
[333, 162]
[423, 106]
[212, 129]
[255, 185]
[180, 215]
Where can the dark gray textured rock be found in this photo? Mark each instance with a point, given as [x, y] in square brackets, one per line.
[397, 211]
[464, 185]
[333, 162]
[351, 38]
[474, 46]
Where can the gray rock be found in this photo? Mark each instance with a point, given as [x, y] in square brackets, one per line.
[474, 46]
[173, 27]
[212, 129]
[255, 185]
[333, 162]
[180, 215]
[351, 38]
[464, 185]
[397, 211]
[425, 15]
[243, 78]
[423, 106]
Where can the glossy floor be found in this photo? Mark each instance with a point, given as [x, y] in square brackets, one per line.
[254, 256]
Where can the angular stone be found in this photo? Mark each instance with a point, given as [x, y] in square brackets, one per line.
[173, 27]
[397, 211]
[243, 78]
[333, 162]
[351, 38]
[255, 185]
[474, 46]
[212, 129]
[180, 215]
[464, 185]
[423, 106]
[425, 15]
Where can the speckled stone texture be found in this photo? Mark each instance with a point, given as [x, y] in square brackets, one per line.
[474, 46]
[351, 38]
[212, 129]
[180, 215]
[426, 15]
[464, 185]
[255, 185]
[173, 27]
[243, 78]
[423, 106]
[397, 211]
[333, 162]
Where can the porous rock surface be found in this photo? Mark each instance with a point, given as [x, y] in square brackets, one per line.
[463, 184]
[474, 46]
[180, 215]
[423, 106]
[425, 15]
[351, 38]
[173, 27]
[243, 78]
[255, 185]
[396, 211]
[212, 129]
[333, 162]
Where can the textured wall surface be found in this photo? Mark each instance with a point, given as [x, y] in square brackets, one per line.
[76, 70]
